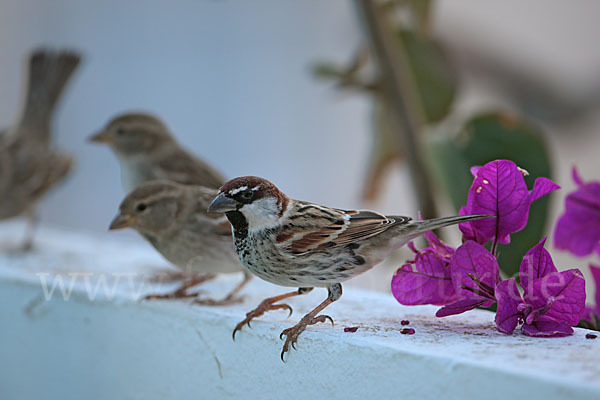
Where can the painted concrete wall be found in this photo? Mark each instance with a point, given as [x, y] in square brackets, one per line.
[103, 343]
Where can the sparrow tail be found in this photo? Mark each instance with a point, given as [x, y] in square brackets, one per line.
[49, 72]
[436, 223]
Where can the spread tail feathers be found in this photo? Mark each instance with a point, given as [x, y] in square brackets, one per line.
[49, 72]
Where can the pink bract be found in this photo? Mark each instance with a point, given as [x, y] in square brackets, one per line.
[578, 228]
[499, 189]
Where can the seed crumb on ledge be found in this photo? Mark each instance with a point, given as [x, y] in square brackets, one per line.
[404, 322]
[407, 331]
[590, 336]
[351, 329]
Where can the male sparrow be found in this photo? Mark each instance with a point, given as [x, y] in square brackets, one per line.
[147, 151]
[299, 244]
[173, 218]
[29, 165]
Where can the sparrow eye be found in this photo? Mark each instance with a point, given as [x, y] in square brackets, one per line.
[120, 131]
[247, 195]
[141, 207]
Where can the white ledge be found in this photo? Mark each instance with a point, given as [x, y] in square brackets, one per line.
[118, 347]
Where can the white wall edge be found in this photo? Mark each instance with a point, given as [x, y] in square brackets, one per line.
[125, 348]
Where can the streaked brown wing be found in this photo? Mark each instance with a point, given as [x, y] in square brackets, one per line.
[317, 228]
[362, 225]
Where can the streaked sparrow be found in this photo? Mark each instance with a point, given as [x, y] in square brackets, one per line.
[29, 165]
[147, 151]
[299, 244]
[173, 218]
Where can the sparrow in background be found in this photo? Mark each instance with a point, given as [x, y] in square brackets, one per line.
[173, 218]
[299, 244]
[147, 151]
[29, 165]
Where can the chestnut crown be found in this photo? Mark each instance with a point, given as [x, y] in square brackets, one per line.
[247, 189]
[260, 201]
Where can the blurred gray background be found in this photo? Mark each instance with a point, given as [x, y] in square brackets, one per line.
[232, 80]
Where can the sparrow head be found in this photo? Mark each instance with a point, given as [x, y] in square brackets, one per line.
[257, 199]
[134, 134]
[151, 208]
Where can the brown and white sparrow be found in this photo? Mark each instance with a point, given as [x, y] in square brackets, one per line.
[147, 151]
[173, 218]
[299, 244]
[29, 165]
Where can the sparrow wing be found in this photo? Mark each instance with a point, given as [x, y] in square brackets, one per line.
[186, 169]
[55, 168]
[313, 228]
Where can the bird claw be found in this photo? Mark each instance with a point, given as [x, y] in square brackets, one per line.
[183, 291]
[323, 318]
[287, 306]
[265, 306]
[292, 334]
[224, 302]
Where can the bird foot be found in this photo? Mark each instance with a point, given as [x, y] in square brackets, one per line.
[223, 302]
[291, 334]
[170, 296]
[266, 305]
[182, 292]
[172, 276]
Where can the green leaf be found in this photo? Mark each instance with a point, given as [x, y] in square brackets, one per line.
[593, 323]
[434, 78]
[489, 137]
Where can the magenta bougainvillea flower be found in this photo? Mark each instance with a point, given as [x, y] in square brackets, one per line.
[552, 301]
[592, 313]
[475, 273]
[426, 279]
[499, 189]
[468, 277]
[578, 229]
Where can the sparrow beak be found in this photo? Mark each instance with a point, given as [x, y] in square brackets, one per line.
[101, 137]
[121, 221]
[221, 203]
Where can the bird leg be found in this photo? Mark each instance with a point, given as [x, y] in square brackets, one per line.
[269, 305]
[182, 291]
[32, 222]
[231, 298]
[172, 276]
[291, 334]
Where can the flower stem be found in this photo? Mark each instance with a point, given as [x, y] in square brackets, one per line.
[403, 97]
[495, 248]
